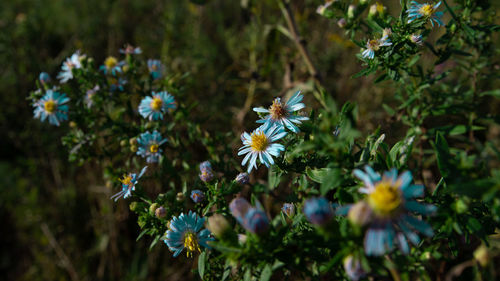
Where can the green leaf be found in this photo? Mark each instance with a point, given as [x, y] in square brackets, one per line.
[266, 273]
[317, 175]
[443, 154]
[331, 180]
[494, 93]
[201, 264]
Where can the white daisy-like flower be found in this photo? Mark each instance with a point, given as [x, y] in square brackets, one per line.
[260, 144]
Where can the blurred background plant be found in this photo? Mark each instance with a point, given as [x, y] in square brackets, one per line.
[428, 104]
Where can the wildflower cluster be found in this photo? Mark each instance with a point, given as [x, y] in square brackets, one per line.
[334, 202]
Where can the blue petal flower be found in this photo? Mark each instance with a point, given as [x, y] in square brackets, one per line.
[52, 106]
[185, 233]
[128, 184]
[149, 146]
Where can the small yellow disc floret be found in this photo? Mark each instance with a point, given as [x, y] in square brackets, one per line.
[50, 106]
[385, 199]
[259, 141]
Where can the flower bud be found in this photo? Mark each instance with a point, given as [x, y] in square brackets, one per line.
[362, 2]
[132, 141]
[160, 212]
[288, 209]
[318, 211]
[44, 78]
[350, 11]
[342, 23]
[180, 197]
[387, 32]
[353, 268]
[481, 255]
[206, 172]
[197, 196]
[360, 213]
[373, 10]
[133, 206]
[153, 208]
[206, 175]
[218, 225]
[133, 148]
[256, 221]
[242, 178]
[123, 143]
[73, 124]
[239, 208]
[322, 8]
[417, 39]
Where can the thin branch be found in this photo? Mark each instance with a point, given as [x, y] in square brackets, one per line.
[299, 43]
[66, 262]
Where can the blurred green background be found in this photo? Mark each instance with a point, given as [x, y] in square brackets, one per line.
[57, 220]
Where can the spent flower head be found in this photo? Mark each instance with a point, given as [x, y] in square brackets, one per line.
[282, 114]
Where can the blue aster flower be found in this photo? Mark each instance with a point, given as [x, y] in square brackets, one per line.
[112, 65]
[52, 106]
[154, 106]
[374, 45]
[318, 210]
[282, 113]
[73, 62]
[116, 84]
[425, 11]
[44, 78]
[387, 211]
[155, 68]
[260, 145]
[149, 146]
[128, 184]
[197, 196]
[185, 232]
[130, 50]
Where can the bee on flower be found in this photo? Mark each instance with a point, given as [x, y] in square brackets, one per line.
[149, 146]
[112, 65]
[128, 184]
[281, 114]
[156, 105]
[260, 144]
[130, 50]
[387, 211]
[73, 62]
[185, 232]
[155, 68]
[374, 45]
[425, 11]
[52, 106]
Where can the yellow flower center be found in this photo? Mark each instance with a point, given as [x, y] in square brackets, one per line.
[385, 199]
[154, 148]
[191, 244]
[374, 44]
[110, 62]
[380, 8]
[156, 103]
[427, 10]
[259, 141]
[277, 110]
[50, 106]
[127, 180]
